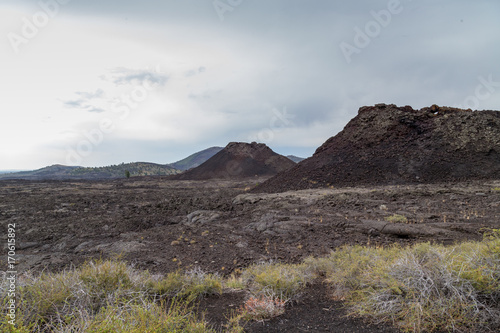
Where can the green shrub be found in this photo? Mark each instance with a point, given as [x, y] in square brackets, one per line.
[145, 318]
[285, 281]
[197, 283]
[169, 286]
[107, 296]
[235, 283]
[191, 285]
[421, 288]
[396, 218]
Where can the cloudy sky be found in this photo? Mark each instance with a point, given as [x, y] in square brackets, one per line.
[100, 82]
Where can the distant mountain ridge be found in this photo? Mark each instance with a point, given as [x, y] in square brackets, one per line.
[55, 171]
[60, 172]
[196, 159]
[11, 171]
[296, 159]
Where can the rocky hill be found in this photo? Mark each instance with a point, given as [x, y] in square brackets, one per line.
[386, 144]
[60, 172]
[55, 171]
[240, 160]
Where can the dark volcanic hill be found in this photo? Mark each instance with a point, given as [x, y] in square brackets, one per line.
[386, 144]
[239, 160]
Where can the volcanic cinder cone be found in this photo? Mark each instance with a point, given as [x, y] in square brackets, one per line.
[386, 144]
[239, 160]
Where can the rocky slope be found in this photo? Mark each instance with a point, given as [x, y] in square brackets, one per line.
[386, 144]
[239, 160]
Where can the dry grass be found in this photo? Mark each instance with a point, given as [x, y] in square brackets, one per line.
[422, 288]
[109, 296]
[284, 281]
[263, 307]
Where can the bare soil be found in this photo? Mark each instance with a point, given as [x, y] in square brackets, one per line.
[162, 225]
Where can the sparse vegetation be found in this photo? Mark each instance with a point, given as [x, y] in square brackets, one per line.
[264, 307]
[396, 218]
[284, 281]
[235, 283]
[130, 169]
[419, 288]
[109, 296]
[496, 189]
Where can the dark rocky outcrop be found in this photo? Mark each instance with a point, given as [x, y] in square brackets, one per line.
[386, 144]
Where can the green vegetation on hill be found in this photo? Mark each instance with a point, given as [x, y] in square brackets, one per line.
[118, 171]
[51, 172]
[421, 288]
[107, 172]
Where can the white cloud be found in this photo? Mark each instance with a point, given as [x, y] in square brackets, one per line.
[171, 77]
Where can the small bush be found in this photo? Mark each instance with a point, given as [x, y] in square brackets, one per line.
[236, 322]
[147, 317]
[285, 281]
[396, 218]
[263, 307]
[166, 287]
[422, 288]
[235, 283]
[198, 283]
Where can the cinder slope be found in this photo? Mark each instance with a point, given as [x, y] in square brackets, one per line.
[239, 160]
[386, 144]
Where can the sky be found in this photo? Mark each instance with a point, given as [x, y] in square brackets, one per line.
[101, 82]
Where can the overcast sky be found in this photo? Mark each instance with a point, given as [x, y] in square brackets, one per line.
[100, 82]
